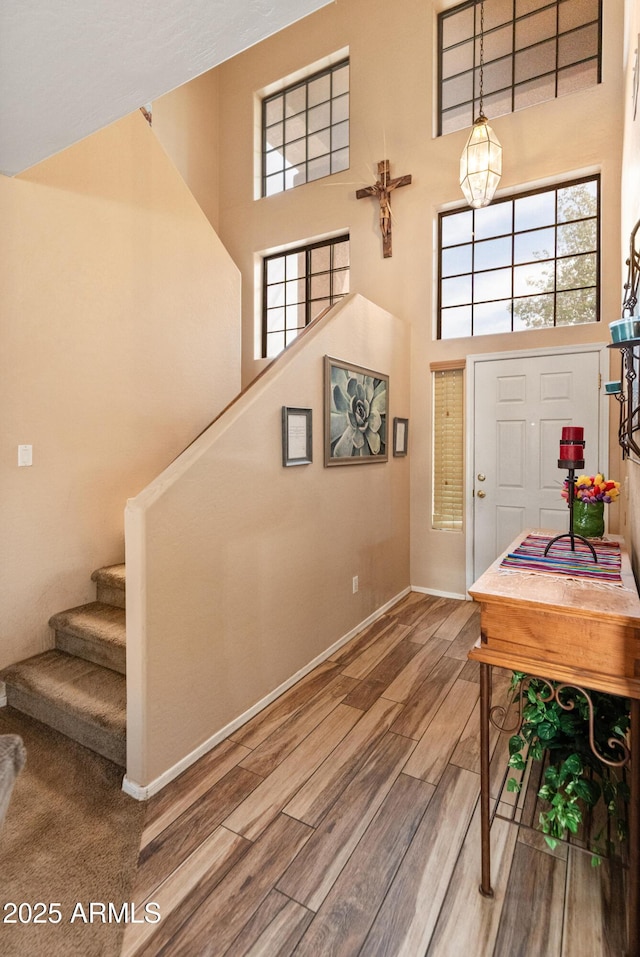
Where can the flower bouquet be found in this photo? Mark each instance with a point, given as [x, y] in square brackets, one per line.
[591, 494]
[593, 488]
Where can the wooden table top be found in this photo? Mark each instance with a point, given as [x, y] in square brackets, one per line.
[561, 628]
[562, 594]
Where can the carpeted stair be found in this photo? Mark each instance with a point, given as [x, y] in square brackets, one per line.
[79, 687]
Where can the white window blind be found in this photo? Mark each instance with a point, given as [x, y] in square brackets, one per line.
[448, 446]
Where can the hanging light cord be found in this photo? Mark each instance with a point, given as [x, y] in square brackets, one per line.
[481, 160]
[481, 57]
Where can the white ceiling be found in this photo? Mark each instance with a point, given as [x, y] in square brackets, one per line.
[70, 67]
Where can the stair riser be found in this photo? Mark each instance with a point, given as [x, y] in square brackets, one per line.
[111, 585]
[110, 595]
[107, 743]
[78, 687]
[100, 653]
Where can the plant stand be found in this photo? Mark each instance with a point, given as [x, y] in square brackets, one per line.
[568, 633]
[527, 805]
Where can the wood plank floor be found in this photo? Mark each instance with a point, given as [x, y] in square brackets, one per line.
[343, 820]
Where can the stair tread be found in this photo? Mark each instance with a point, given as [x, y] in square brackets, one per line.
[113, 575]
[76, 686]
[94, 620]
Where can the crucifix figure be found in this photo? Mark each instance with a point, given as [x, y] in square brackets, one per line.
[382, 189]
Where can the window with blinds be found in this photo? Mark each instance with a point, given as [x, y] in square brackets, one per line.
[448, 448]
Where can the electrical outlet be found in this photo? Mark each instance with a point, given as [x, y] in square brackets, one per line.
[355, 584]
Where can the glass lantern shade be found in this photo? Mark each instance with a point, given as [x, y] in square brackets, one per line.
[480, 164]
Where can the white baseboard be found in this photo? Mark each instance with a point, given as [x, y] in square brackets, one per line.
[144, 792]
[440, 594]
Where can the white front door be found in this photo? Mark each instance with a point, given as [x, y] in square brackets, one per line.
[520, 406]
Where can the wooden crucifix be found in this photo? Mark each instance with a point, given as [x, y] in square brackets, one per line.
[382, 189]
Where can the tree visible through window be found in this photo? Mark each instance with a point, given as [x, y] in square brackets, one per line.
[525, 262]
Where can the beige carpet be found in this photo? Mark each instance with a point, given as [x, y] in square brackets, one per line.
[70, 836]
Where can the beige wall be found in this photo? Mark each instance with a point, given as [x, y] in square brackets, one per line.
[239, 571]
[630, 216]
[392, 97]
[117, 349]
[186, 124]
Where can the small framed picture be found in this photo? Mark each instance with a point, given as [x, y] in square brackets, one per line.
[355, 414]
[400, 436]
[297, 437]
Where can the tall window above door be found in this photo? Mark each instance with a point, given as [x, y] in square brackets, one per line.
[298, 285]
[526, 262]
[534, 50]
[305, 130]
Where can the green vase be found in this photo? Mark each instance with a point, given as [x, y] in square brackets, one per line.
[588, 518]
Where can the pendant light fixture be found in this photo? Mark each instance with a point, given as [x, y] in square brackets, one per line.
[481, 160]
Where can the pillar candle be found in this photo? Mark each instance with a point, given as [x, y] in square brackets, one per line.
[571, 453]
[572, 433]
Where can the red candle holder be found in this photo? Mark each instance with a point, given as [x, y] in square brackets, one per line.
[571, 458]
[572, 433]
[572, 453]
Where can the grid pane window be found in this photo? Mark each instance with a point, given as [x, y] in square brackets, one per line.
[525, 262]
[298, 286]
[534, 50]
[305, 130]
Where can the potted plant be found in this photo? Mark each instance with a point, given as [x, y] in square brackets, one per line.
[575, 778]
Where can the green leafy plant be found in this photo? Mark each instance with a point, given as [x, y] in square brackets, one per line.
[575, 778]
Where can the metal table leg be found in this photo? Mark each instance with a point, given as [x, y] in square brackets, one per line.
[633, 922]
[485, 824]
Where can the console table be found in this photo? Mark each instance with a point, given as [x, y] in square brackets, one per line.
[570, 631]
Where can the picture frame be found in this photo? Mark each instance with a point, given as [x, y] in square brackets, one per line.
[356, 413]
[400, 436]
[297, 436]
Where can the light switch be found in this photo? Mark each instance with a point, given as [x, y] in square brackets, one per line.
[25, 455]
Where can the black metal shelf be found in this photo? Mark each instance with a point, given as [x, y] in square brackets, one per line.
[625, 344]
[629, 398]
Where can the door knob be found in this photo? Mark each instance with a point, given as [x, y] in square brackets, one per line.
[481, 494]
[481, 477]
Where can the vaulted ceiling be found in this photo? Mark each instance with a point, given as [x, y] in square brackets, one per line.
[70, 67]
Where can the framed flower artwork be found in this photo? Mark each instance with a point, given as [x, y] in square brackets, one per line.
[355, 420]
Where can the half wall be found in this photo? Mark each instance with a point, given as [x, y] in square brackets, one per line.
[239, 571]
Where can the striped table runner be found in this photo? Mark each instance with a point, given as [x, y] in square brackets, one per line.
[529, 557]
